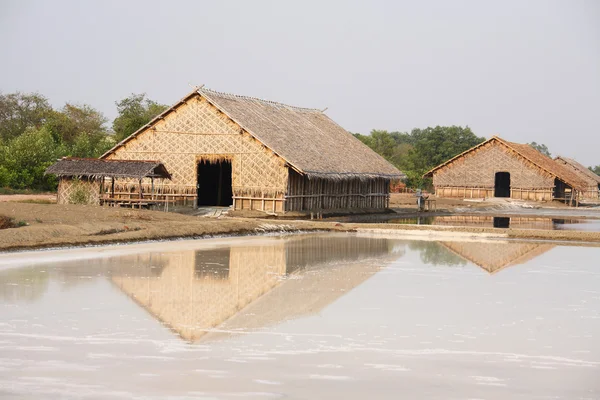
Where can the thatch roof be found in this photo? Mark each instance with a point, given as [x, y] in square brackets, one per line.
[581, 169]
[530, 154]
[94, 168]
[307, 139]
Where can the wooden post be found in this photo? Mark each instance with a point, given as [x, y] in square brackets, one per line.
[152, 181]
[140, 201]
[112, 185]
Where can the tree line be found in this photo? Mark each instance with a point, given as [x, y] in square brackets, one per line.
[33, 135]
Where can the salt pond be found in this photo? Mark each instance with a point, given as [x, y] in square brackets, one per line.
[303, 317]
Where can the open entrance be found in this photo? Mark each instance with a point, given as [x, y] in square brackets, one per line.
[502, 184]
[214, 184]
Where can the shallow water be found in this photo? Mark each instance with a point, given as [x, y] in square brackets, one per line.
[519, 222]
[303, 317]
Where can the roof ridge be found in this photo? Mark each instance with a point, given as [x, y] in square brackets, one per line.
[243, 97]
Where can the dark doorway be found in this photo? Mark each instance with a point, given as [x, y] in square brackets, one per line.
[502, 184]
[214, 184]
[501, 222]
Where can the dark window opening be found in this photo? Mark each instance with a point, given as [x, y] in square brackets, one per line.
[214, 184]
[501, 222]
[502, 184]
[212, 264]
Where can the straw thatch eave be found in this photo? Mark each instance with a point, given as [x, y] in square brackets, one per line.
[580, 168]
[97, 168]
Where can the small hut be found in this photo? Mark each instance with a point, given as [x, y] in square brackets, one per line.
[224, 149]
[592, 180]
[93, 181]
[499, 168]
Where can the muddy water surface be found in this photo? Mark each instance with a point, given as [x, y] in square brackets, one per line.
[303, 317]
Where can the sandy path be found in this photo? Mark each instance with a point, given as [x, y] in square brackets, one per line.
[28, 197]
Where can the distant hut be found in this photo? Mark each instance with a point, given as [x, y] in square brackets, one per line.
[225, 149]
[499, 168]
[591, 179]
[91, 181]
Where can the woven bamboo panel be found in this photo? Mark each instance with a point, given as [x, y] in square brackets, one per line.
[477, 169]
[198, 131]
[67, 189]
[190, 304]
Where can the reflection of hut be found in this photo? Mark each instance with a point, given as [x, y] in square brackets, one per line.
[225, 149]
[592, 180]
[203, 290]
[92, 181]
[495, 222]
[498, 168]
[493, 257]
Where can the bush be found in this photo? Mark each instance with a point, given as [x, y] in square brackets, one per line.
[79, 194]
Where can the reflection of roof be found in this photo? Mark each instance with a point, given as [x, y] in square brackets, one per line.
[302, 294]
[248, 286]
[531, 155]
[493, 257]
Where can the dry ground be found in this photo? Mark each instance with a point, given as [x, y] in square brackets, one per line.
[52, 225]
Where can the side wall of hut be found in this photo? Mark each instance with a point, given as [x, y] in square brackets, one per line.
[473, 175]
[78, 191]
[324, 194]
[198, 131]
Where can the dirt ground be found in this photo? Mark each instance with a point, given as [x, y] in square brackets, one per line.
[53, 225]
[31, 198]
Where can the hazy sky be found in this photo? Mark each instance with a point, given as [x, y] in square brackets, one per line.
[525, 70]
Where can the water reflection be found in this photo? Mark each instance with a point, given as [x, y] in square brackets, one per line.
[501, 222]
[433, 253]
[495, 256]
[226, 289]
[223, 288]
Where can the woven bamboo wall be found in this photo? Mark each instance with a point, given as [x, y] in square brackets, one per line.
[320, 194]
[198, 131]
[473, 175]
[190, 304]
[67, 188]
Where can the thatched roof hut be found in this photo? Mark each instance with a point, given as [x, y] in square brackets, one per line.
[264, 155]
[499, 168]
[591, 179]
[81, 180]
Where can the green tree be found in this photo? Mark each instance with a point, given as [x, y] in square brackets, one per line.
[542, 148]
[420, 150]
[595, 169]
[70, 122]
[134, 111]
[25, 159]
[20, 111]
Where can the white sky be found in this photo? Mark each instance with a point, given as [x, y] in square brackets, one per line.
[525, 70]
